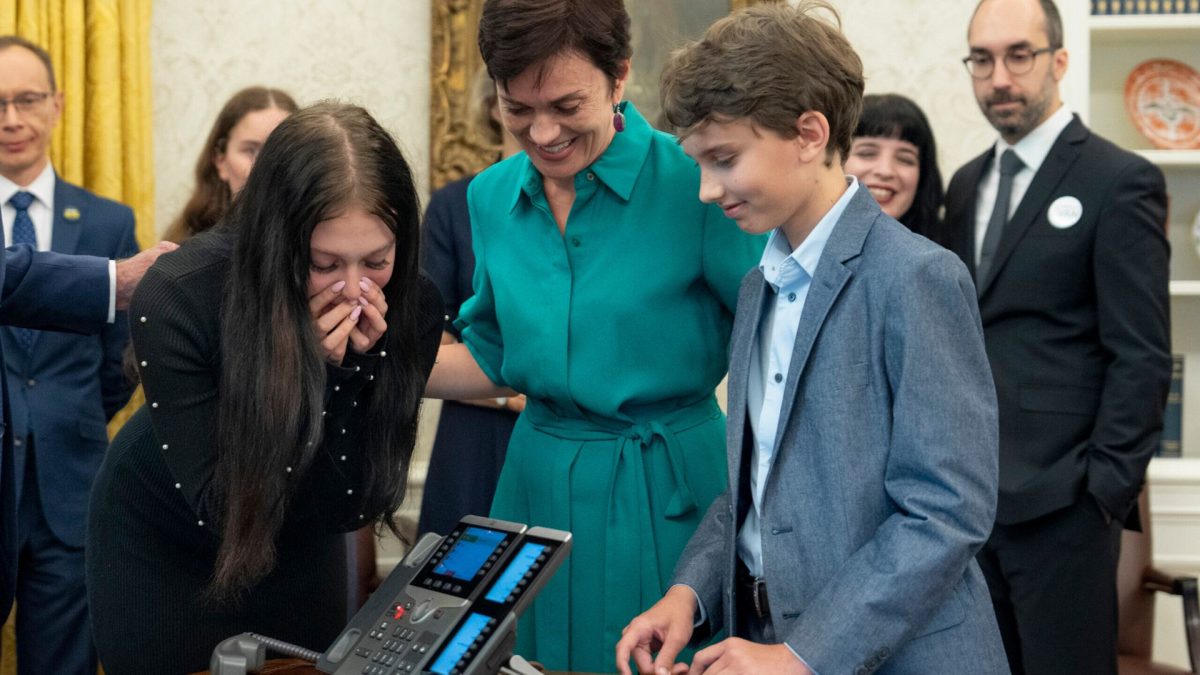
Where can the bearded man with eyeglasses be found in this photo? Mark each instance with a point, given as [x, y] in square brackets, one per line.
[1064, 234]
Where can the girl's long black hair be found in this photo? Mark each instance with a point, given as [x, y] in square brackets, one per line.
[316, 163]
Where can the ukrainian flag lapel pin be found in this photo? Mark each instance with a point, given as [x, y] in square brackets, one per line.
[71, 213]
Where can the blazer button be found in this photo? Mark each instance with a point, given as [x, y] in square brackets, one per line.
[31, 382]
[18, 442]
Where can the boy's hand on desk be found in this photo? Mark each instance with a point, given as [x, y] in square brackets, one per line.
[734, 655]
[664, 628]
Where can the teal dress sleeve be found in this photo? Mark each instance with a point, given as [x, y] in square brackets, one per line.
[477, 321]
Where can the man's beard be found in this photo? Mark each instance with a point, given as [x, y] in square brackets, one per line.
[1019, 122]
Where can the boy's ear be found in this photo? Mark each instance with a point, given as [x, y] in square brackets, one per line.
[812, 129]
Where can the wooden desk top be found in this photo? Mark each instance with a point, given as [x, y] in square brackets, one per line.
[300, 667]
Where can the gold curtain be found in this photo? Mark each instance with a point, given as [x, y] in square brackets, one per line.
[101, 55]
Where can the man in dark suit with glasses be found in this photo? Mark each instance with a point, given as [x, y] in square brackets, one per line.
[1064, 233]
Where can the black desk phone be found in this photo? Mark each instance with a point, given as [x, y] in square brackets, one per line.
[451, 606]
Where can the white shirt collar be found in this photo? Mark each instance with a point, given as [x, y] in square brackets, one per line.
[42, 187]
[1033, 148]
[808, 253]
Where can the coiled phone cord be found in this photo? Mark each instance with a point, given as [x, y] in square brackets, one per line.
[287, 648]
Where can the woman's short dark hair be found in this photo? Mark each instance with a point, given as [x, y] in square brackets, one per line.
[895, 116]
[317, 163]
[517, 34]
[211, 197]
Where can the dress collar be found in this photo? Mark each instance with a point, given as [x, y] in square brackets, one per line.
[618, 167]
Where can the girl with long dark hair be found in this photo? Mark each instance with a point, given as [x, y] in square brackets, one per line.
[233, 143]
[284, 357]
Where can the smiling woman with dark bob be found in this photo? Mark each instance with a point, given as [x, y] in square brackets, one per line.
[604, 291]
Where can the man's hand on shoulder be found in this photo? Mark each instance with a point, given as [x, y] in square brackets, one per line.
[665, 628]
[735, 655]
[131, 270]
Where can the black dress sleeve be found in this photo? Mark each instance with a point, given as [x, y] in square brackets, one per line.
[175, 338]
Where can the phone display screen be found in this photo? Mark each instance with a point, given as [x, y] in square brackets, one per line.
[515, 572]
[458, 644]
[469, 553]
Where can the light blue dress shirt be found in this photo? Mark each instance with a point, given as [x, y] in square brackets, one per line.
[789, 273]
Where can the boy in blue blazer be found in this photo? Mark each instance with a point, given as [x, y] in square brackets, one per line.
[862, 439]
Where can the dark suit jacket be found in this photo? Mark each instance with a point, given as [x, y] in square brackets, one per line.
[883, 485]
[66, 387]
[46, 291]
[1077, 328]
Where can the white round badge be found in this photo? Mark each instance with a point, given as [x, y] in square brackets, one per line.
[1065, 212]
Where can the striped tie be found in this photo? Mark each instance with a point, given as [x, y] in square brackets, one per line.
[23, 233]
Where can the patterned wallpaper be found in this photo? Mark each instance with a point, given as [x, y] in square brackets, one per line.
[371, 52]
[376, 53]
[915, 48]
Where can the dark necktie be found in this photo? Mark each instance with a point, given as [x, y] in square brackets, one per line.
[1010, 164]
[23, 233]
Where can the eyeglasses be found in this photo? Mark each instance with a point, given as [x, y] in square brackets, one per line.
[24, 103]
[1017, 61]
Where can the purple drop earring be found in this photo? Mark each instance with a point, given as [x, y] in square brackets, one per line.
[619, 116]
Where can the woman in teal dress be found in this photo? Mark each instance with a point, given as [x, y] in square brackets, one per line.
[604, 291]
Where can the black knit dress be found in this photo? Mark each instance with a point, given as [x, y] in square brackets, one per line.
[151, 545]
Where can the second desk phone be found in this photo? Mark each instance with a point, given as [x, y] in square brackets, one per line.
[450, 608]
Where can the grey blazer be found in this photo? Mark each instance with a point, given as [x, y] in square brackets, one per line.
[884, 483]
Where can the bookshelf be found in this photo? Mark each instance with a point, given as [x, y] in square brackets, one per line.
[1117, 29]
[1173, 159]
[1103, 50]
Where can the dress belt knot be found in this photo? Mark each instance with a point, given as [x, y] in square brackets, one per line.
[644, 434]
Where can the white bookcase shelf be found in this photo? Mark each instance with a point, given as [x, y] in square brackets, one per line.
[1104, 50]
[1185, 288]
[1143, 27]
[1182, 159]
[1174, 471]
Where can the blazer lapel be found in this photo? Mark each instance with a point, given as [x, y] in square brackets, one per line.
[745, 331]
[963, 211]
[68, 218]
[1062, 155]
[66, 229]
[845, 243]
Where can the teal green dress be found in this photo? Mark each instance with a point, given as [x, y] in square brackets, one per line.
[618, 332]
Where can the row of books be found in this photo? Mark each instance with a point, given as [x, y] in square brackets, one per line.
[1145, 6]
[1172, 434]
